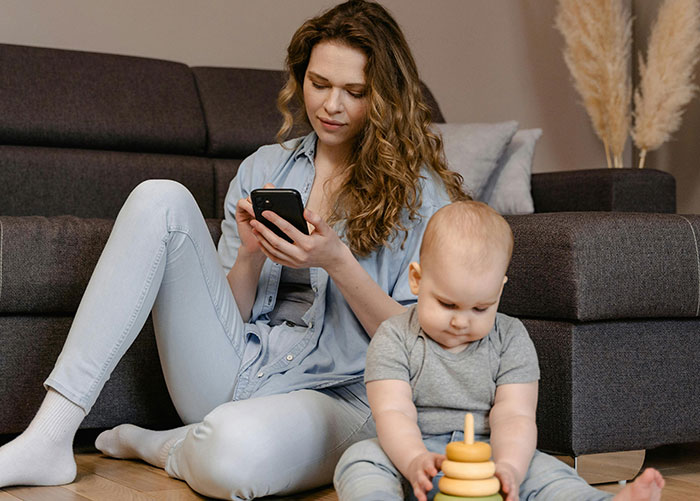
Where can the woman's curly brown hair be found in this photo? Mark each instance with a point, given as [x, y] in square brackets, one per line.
[396, 142]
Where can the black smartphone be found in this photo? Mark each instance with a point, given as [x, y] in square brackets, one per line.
[285, 202]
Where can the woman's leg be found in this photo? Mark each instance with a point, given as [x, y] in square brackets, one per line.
[160, 251]
[276, 444]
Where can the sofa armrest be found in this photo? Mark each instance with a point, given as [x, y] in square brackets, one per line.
[593, 266]
[617, 190]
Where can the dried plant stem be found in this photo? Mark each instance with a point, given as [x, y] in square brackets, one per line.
[598, 36]
[666, 77]
[642, 158]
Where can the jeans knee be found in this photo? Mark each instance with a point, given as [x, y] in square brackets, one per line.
[227, 457]
[160, 193]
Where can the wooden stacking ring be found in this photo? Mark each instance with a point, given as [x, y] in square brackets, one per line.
[468, 471]
[469, 488]
[440, 496]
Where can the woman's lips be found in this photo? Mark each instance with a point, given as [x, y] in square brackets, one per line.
[330, 124]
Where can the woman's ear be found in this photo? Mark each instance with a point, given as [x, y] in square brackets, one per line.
[414, 277]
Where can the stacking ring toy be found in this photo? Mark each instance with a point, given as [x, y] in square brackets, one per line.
[446, 497]
[468, 451]
[469, 488]
[468, 471]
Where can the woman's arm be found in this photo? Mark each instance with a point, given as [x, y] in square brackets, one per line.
[323, 248]
[513, 433]
[397, 429]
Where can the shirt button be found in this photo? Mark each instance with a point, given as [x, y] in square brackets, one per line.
[290, 357]
[260, 374]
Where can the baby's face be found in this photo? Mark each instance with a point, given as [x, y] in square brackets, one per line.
[456, 304]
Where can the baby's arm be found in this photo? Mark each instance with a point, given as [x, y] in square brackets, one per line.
[513, 433]
[397, 429]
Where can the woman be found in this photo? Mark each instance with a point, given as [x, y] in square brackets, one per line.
[263, 359]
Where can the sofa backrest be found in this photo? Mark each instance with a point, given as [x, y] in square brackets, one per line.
[79, 130]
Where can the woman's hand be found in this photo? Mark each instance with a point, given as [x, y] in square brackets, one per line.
[244, 216]
[421, 472]
[509, 485]
[322, 248]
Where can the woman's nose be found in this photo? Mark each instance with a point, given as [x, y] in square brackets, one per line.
[333, 102]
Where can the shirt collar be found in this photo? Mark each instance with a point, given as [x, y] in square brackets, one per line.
[307, 147]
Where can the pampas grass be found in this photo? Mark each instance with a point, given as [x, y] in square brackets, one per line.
[597, 36]
[666, 78]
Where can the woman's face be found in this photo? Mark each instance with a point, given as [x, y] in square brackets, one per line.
[335, 93]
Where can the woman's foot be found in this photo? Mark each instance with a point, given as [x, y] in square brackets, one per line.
[33, 459]
[127, 441]
[43, 454]
[646, 487]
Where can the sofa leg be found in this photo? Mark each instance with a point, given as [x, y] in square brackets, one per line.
[607, 467]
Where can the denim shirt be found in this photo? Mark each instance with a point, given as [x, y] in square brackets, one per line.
[330, 350]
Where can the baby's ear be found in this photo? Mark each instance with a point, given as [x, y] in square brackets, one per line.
[414, 277]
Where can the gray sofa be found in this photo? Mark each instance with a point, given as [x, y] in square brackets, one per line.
[604, 274]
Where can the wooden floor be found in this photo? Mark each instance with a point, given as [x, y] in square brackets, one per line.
[104, 479]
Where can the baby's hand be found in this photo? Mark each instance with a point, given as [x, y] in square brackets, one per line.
[421, 472]
[509, 486]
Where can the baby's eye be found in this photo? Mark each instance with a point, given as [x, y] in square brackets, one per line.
[480, 310]
[446, 305]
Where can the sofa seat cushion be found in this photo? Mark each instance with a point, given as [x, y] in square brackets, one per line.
[46, 262]
[53, 97]
[602, 265]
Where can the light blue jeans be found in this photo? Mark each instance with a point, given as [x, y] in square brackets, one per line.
[365, 473]
[160, 257]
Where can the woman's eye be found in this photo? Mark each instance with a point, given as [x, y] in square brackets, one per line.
[318, 85]
[357, 95]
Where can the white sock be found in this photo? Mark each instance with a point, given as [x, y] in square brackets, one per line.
[127, 441]
[43, 454]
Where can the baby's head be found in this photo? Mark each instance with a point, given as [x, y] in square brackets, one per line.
[464, 256]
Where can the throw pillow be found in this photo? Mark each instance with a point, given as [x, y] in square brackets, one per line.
[508, 190]
[473, 150]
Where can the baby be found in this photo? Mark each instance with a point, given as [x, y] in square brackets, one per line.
[452, 353]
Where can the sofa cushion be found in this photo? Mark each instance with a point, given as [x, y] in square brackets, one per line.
[46, 262]
[91, 183]
[474, 149]
[508, 189]
[53, 97]
[240, 108]
[602, 265]
[224, 171]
